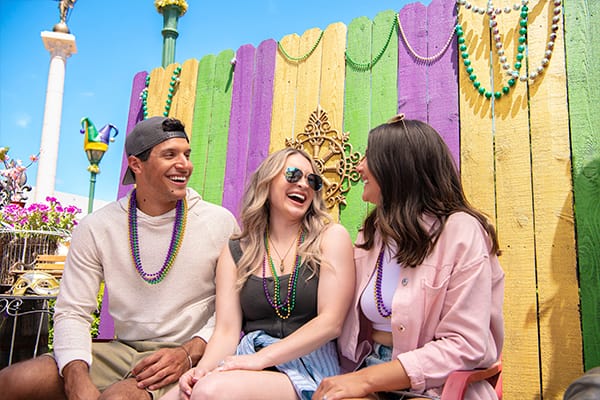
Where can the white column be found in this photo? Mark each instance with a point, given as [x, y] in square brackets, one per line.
[61, 46]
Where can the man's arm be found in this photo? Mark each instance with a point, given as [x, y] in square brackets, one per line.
[195, 349]
[78, 384]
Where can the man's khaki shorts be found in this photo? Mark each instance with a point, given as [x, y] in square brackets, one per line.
[113, 361]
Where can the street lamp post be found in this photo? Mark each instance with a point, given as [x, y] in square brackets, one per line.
[171, 11]
[95, 144]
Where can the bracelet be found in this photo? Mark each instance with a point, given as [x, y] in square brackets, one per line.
[188, 356]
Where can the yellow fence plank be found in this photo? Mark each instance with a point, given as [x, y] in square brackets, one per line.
[476, 138]
[515, 222]
[184, 98]
[309, 79]
[157, 93]
[560, 328]
[333, 75]
[284, 93]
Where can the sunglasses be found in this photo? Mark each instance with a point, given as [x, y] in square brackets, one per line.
[293, 175]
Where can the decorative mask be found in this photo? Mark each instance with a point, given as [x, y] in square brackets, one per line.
[35, 283]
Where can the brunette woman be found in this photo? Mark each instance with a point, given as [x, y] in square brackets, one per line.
[429, 286]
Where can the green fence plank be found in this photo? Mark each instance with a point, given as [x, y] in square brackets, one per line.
[384, 77]
[582, 33]
[201, 124]
[219, 127]
[357, 103]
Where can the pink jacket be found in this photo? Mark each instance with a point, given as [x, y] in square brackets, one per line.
[446, 312]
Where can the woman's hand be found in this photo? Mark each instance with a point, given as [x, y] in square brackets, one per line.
[251, 362]
[341, 387]
[188, 380]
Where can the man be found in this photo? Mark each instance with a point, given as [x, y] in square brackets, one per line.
[156, 249]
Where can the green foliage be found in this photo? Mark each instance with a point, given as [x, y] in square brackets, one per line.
[95, 322]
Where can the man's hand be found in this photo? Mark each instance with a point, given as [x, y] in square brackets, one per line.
[161, 368]
[78, 384]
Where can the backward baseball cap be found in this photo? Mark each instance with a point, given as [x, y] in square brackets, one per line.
[145, 135]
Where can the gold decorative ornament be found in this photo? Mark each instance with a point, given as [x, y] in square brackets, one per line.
[160, 4]
[331, 151]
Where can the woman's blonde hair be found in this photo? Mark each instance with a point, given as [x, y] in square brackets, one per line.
[255, 217]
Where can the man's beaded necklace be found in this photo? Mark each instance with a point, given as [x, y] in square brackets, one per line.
[176, 240]
[288, 304]
[381, 308]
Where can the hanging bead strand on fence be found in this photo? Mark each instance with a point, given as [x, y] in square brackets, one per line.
[173, 84]
[414, 53]
[493, 24]
[172, 88]
[513, 71]
[366, 66]
[305, 56]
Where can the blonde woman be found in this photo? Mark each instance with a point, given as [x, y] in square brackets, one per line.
[286, 282]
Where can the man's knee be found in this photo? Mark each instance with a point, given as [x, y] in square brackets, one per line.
[30, 379]
[125, 390]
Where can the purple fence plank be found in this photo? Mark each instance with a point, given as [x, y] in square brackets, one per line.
[262, 104]
[239, 128]
[412, 73]
[135, 115]
[442, 74]
[106, 330]
[250, 123]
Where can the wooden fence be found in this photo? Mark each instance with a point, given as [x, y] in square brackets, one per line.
[528, 157]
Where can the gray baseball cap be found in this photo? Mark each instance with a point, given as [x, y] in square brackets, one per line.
[145, 135]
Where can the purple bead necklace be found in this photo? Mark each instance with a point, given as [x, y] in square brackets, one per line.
[288, 304]
[174, 246]
[381, 308]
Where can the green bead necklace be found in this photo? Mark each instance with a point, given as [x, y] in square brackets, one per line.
[288, 304]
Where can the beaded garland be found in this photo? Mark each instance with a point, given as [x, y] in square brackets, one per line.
[169, 101]
[288, 304]
[305, 56]
[174, 246]
[377, 292]
[514, 72]
[417, 56]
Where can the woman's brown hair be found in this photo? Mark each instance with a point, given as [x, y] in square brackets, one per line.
[417, 176]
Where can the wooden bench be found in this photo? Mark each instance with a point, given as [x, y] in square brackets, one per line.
[53, 264]
[50, 262]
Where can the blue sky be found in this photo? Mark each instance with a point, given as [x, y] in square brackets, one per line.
[115, 40]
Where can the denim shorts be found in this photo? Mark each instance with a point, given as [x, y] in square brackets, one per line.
[380, 355]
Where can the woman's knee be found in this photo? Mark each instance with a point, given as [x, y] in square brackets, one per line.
[209, 388]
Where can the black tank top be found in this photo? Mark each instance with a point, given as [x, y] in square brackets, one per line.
[257, 312]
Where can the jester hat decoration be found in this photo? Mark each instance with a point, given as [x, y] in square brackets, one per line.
[95, 143]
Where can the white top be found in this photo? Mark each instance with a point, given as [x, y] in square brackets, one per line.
[389, 282]
[178, 308]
